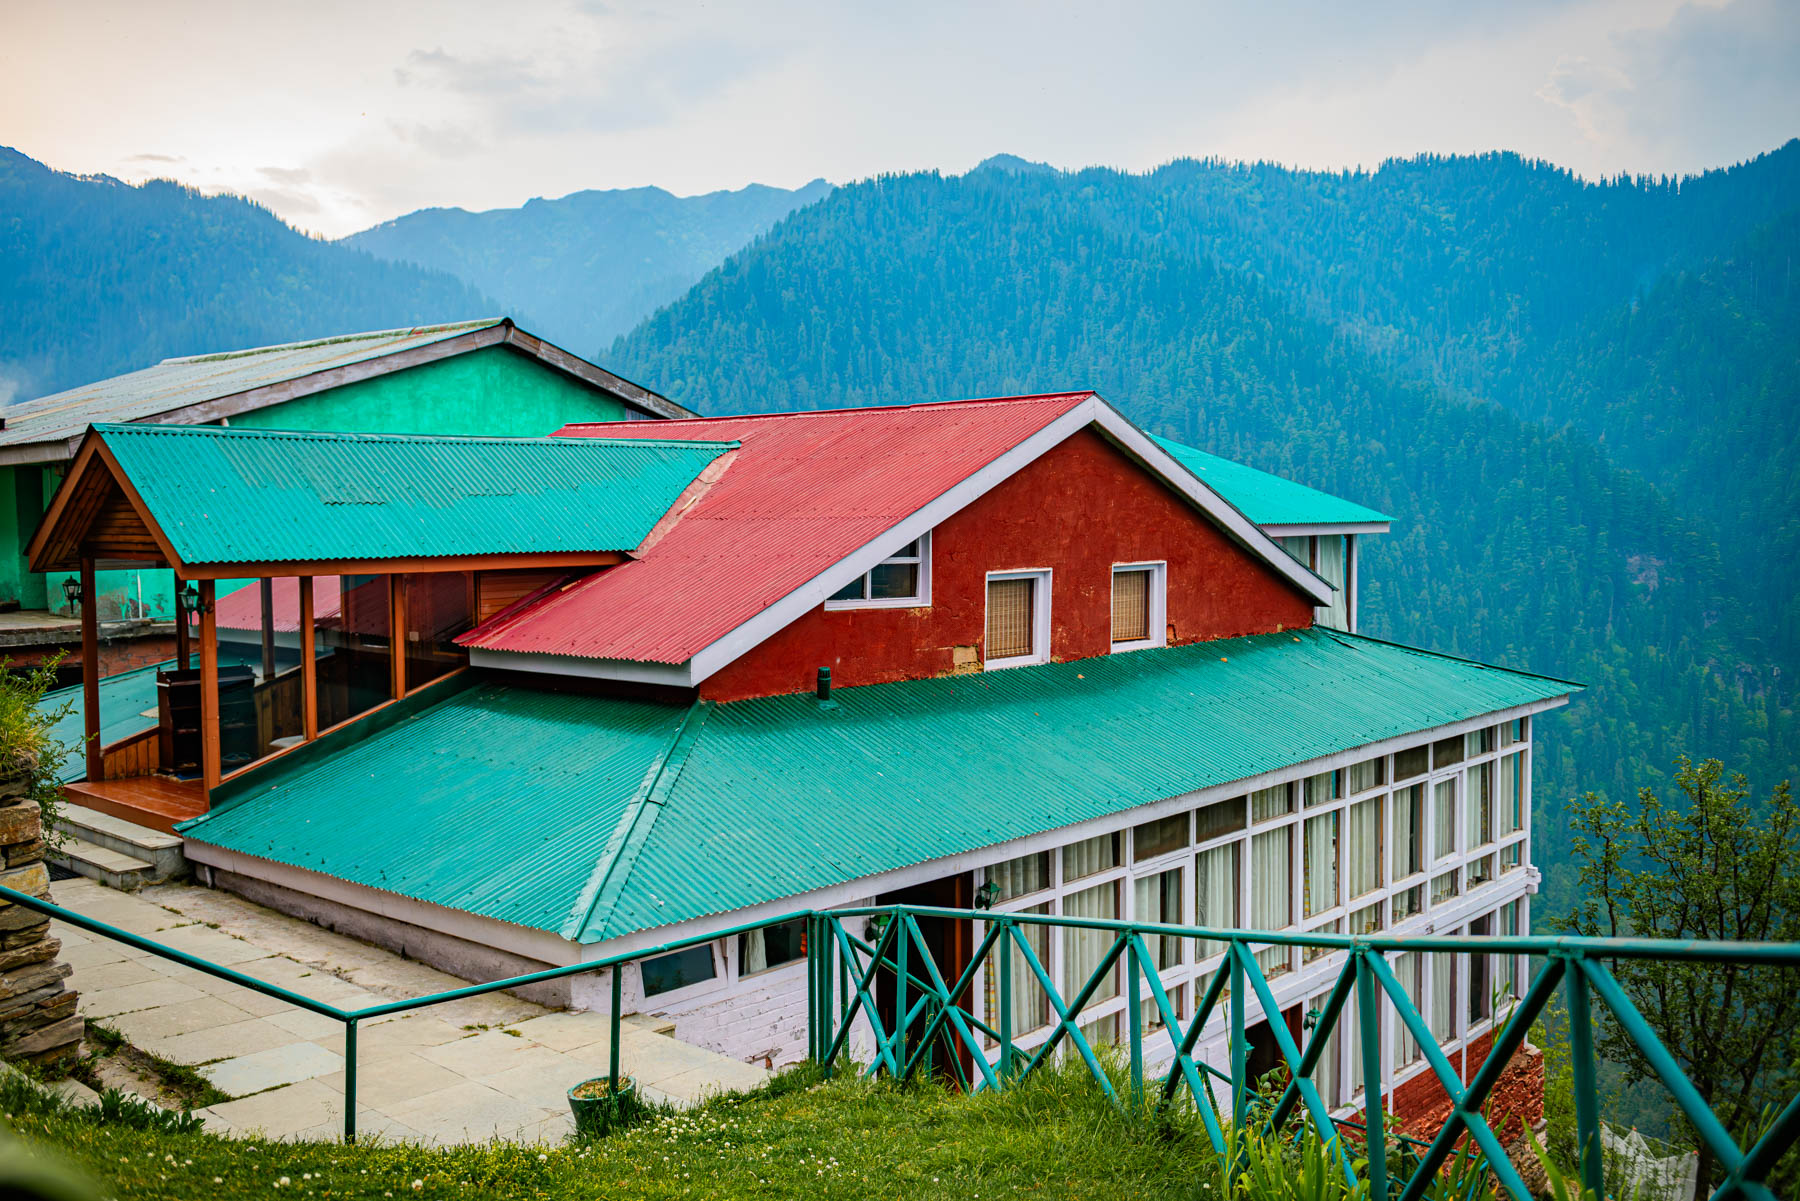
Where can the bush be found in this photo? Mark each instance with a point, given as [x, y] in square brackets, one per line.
[28, 744]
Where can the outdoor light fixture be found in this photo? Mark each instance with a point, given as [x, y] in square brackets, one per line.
[190, 597]
[1311, 1019]
[72, 592]
[986, 895]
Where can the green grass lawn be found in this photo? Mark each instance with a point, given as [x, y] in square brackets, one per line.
[1054, 1136]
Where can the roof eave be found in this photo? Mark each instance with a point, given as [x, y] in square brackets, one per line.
[1302, 529]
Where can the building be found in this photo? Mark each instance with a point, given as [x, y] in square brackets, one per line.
[566, 702]
[474, 377]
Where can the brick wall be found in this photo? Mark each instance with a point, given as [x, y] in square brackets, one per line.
[1516, 1103]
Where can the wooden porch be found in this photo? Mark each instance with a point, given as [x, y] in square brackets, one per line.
[154, 802]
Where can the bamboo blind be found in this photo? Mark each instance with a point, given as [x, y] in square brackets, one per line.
[1131, 606]
[1009, 624]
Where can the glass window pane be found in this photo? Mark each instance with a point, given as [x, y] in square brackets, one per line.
[1409, 970]
[1084, 949]
[1131, 606]
[1266, 803]
[1443, 888]
[1090, 855]
[1010, 628]
[1271, 895]
[1016, 877]
[1158, 899]
[1160, 837]
[1409, 831]
[1363, 855]
[1370, 773]
[1446, 752]
[1415, 761]
[1321, 788]
[1366, 920]
[1325, 1074]
[437, 610]
[1443, 995]
[666, 973]
[851, 591]
[1223, 817]
[1443, 815]
[1030, 1003]
[261, 684]
[354, 620]
[1216, 894]
[1319, 889]
[1479, 805]
[894, 581]
[771, 946]
[909, 551]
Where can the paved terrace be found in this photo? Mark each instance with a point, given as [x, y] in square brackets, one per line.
[464, 1071]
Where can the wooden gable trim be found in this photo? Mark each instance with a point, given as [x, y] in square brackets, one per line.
[97, 490]
[635, 395]
[401, 566]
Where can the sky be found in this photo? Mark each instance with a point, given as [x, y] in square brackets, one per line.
[340, 115]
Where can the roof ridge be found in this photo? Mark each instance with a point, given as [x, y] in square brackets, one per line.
[366, 336]
[110, 428]
[1338, 636]
[1026, 398]
[606, 881]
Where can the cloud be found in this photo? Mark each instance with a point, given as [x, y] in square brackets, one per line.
[488, 75]
[286, 175]
[155, 158]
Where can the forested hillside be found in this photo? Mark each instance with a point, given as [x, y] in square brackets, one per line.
[99, 278]
[591, 265]
[1517, 540]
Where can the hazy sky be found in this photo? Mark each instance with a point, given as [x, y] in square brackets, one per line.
[339, 115]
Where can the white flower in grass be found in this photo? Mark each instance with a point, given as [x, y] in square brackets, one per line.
[417, 1185]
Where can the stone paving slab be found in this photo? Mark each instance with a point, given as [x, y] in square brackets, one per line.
[470, 1070]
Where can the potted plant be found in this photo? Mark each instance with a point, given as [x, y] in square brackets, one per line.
[600, 1109]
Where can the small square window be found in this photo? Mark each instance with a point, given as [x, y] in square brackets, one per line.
[1409, 902]
[1414, 761]
[1090, 855]
[770, 947]
[1018, 619]
[1222, 817]
[1137, 607]
[1443, 888]
[678, 969]
[1017, 877]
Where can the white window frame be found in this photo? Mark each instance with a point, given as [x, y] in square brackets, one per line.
[1040, 619]
[1159, 606]
[722, 978]
[920, 600]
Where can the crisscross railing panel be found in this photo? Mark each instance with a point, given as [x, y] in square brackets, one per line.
[1578, 965]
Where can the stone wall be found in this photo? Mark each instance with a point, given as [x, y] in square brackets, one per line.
[38, 1022]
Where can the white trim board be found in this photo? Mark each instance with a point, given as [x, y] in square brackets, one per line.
[1326, 529]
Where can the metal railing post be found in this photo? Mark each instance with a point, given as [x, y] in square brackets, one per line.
[614, 1019]
[1240, 1064]
[1368, 1011]
[1134, 1004]
[901, 1025]
[1587, 1096]
[350, 1081]
[826, 1002]
[814, 1011]
[1004, 943]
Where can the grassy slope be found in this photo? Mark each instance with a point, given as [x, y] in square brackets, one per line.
[1055, 1137]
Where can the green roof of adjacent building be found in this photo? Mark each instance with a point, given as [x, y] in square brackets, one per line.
[250, 496]
[595, 817]
[1268, 499]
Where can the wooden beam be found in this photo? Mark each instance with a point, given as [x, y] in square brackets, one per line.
[209, 688]
[266, 587]
[309, 664]
[183, 644]
[397, 631]
[90, 670]
[415, 565]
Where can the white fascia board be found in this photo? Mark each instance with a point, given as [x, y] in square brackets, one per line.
[1327, 528]
[1229, 517]
[674, 675]
[815, 592]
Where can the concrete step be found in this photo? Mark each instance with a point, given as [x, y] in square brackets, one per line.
[111, 868]
[652, 1025]
[162, 851]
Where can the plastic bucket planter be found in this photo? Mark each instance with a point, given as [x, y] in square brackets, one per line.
[599, 1110]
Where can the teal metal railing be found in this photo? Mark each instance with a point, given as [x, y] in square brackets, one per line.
[926, 1014]
[351, 1018]
[931, 1014]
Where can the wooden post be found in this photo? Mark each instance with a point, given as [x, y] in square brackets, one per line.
[309, 675]
[266, 587]
[90, 668]
[397, 630]
[183, 640]
[209, 688]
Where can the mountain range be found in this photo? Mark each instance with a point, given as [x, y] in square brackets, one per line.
[1577, 398]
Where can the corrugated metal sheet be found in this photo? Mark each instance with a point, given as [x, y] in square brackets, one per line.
[176, 383]
[777, 796]
[806, 490]
[244, 496]
[498, 801]
[1268, 499]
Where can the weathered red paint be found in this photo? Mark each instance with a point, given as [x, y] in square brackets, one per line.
[1078, 510]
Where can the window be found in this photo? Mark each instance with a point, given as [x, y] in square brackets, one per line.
[1446, 752]
[1370, 773]
[1030, 1003]
[437, 610]
[771, 946]
[1224, 817]
[1324, 787]
[1443, 816]
[1018, 619]
[1409, 970]
[1443, 995]
[1479, 804]
[1090, 855]
[1506, 974]
[1481, 994]
[1515, 731]
[1267, 803]
[1158, 899]
[1443, 888]
[1409, 831]
[1511, 857]
[1083, 949]
[1325, 1073]
[1362, 873]
[1407, 903]
[1320, 888]
[1366, 920]
[901, 580]
[1271, 891]
[1216, 894]
[1309, 954]
[1512, 794]
[1016, 877]
[1481, 871]
[1415, 761]
[1159, 837]
[1479, 742]
[1138, 601]
[666, 973]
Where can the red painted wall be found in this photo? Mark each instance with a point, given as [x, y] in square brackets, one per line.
[1078, 510]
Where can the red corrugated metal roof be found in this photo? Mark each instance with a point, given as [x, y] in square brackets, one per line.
[804, 491]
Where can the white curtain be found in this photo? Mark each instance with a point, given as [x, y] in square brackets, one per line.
[1406, 970]
[1362, 872]
[1321, 788]
[1443, 815]
[1350, 1027]
[1090, 855]
[1443, 997]
[1325, 1074]
[1479, 804]
[1271, 891]
[1300, 548]
[1408, 853]
[756, 953]
[1336, 615]
[1158, 899]
[1084, 949]
[1266, 803]
[1216, 894]
[1366, 775]
[1320, 889]
[1016, 877]
[1511, 795]
[1030, 1003]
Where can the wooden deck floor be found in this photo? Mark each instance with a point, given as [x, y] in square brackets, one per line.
[155, 802]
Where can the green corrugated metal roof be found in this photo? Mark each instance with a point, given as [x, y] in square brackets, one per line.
[175, 383]
[246, 496]
[774, 797]
[1268, 499]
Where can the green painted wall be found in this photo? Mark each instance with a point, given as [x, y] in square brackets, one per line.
[495, 391]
